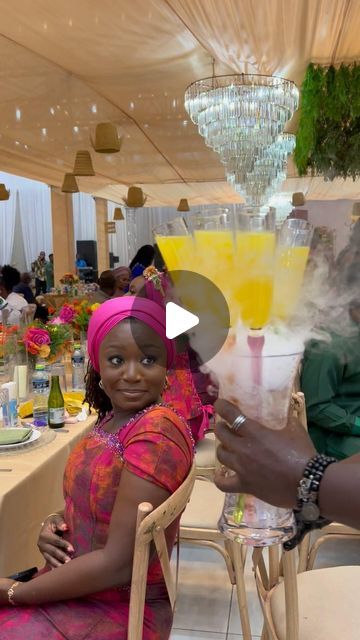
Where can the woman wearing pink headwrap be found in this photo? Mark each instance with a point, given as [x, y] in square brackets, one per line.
[186, 384]
[122, 280]
[139, 451]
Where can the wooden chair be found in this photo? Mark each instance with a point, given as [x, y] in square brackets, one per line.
[28, 313]
[300, 604]
[150, 527]
[198, 527]
[205, 456]
[311, 605]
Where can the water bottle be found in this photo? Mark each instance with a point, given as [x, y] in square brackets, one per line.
[78, 368]
[40, 387]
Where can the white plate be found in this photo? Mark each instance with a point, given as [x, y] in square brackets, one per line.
[34, 436]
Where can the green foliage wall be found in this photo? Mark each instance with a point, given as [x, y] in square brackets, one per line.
[328, 138]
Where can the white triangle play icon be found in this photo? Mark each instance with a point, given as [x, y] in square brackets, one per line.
[178, 320]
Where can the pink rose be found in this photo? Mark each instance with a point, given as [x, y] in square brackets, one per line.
[67, 313]
[56, 320]
[36, 336]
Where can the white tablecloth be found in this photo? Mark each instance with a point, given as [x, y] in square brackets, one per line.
[29, 492]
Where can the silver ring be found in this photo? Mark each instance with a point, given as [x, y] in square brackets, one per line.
[238, 422]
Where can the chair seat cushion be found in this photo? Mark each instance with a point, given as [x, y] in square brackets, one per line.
[328, 604]
[205, 506]
[205, 455]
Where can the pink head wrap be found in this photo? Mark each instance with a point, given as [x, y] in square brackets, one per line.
[113, 311]
[121, 271]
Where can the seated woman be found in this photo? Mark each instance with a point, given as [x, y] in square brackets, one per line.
[186, 386]
[138, 451]
[122, 281]
[10, 278]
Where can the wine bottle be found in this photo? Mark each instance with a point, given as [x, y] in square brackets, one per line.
[56, 405]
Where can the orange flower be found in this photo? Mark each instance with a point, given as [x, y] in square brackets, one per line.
[33, 348]
[44, 351]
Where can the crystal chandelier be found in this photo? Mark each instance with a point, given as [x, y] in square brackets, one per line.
[242, 118]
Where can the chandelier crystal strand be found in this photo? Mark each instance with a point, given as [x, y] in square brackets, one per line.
[242, 117]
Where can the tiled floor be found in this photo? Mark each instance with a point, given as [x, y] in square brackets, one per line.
[207, 606]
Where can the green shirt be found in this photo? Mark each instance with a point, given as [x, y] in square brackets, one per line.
[49, 274]
[330, 380]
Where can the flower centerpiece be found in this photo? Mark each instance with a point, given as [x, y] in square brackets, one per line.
[48, 341]
[68, 281]
[77, 315]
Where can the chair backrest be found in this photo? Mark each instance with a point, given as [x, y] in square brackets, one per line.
[287, 565]
[150, 527]
[28, 313]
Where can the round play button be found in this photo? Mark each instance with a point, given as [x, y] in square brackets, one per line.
[196, 313]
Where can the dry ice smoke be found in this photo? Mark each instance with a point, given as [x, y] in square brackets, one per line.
[322, 310]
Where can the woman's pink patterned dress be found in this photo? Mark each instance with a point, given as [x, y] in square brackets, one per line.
[157, 447]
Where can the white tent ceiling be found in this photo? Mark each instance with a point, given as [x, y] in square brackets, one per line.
[66, 66]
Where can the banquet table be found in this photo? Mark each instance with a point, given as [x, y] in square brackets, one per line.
[29, 492]
[57, 300]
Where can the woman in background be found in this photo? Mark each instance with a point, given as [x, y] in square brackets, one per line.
[186, 386]
[144, 258]
[122, 281]
[9, 278]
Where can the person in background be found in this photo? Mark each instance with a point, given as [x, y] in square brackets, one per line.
[139, 451]
[80, 262]
[282, 456]
[348, 257]
[10, 278]
[122, 281]
[330, 380]
[186, 384]
[24, 288]
[144, 258]
[159, 261]
[49, 272]
[38, 268]
[107, 287]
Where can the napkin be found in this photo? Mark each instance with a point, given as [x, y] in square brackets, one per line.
[14, 436]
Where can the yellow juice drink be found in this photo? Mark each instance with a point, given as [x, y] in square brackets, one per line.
[254, 265]
[214, 259]
[177, 251]
[289, 274]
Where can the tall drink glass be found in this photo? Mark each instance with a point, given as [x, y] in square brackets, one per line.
[244, 518]
[213, 233]
[291, 258]
[254, 267]
[176, 244]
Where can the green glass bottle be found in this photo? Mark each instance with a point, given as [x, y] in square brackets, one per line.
[56, 405]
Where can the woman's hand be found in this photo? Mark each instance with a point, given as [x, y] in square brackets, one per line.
[52, 546]
[5, 584]
[268, 464]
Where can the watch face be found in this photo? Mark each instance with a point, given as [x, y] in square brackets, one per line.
[310, 511]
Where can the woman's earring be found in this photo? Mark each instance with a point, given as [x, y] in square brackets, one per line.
[101, 385]
[166, 384]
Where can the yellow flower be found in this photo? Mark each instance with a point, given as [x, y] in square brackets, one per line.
[44, 351]
[95, 306]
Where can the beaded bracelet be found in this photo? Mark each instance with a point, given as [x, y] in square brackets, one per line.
[307, 512]
[10, 593]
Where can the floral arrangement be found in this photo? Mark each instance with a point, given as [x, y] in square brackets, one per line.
[49, 341]
[77, 314]
[69, 279]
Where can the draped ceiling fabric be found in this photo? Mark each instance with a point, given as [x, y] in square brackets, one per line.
[67, 66]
